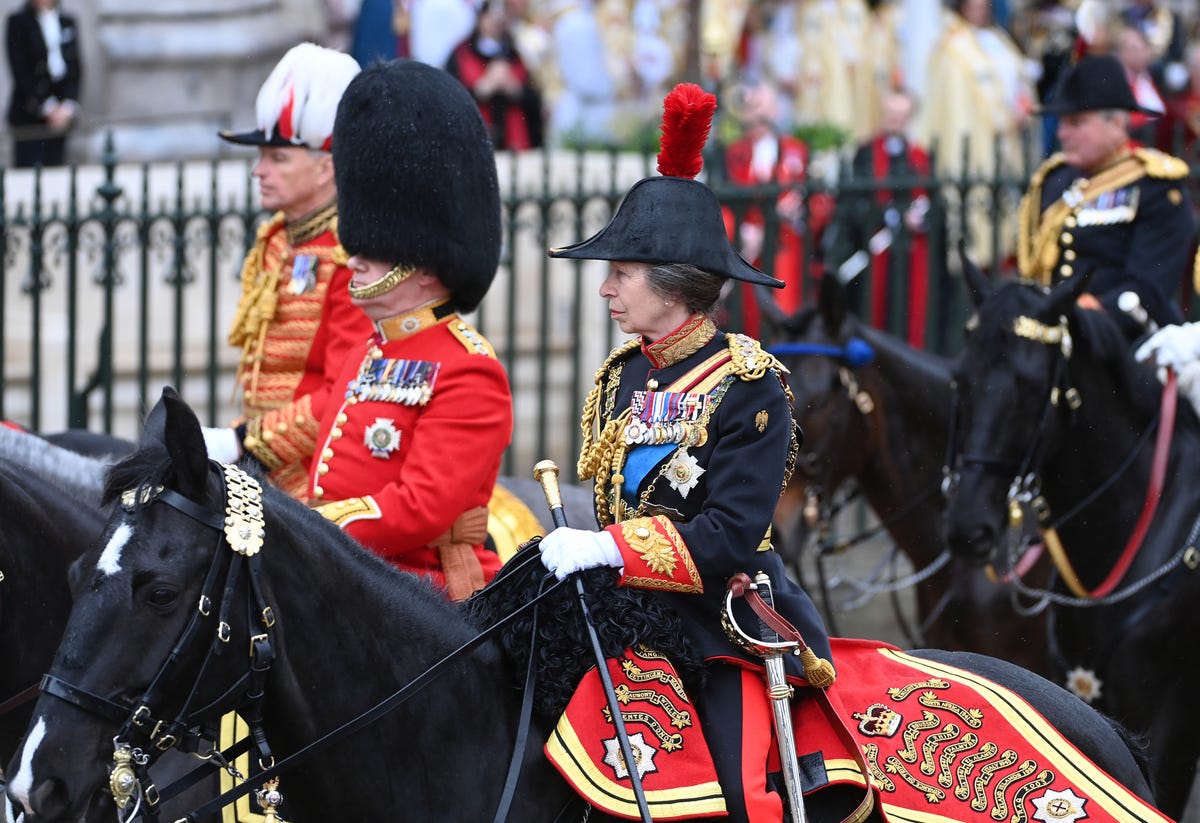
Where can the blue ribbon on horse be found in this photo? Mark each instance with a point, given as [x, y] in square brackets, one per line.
[856, 353]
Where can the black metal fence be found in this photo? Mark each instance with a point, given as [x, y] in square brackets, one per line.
[119, 278]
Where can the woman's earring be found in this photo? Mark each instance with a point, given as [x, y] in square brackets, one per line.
[666, 302]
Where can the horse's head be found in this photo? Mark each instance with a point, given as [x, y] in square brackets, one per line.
[156, 644]
[822, 349]
[1014, 396]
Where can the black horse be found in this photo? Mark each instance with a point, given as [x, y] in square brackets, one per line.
[1056, 417]
[884, 425]
[345, 630]
[50, 502]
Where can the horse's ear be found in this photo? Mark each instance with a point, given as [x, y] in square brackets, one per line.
[978, 285]
[154, 429]
[185, 445]
[771, 312]
[831, 301]
[1064, 294]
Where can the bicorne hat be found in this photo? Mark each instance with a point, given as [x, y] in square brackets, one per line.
[1095, 83]
[298, 100]
[416, 176]
[673, 218]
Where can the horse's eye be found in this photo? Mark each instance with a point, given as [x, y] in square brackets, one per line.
[162, 597]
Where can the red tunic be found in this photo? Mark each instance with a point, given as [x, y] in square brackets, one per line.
[295, 325]
[417, 440]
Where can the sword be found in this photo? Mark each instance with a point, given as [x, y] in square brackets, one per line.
[772, 648]
[546, 473]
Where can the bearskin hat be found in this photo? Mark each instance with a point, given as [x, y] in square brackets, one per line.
[673, 218]
[298, 100]
[416, 176]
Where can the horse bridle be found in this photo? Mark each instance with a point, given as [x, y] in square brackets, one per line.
[241, 528]
[1025, 488]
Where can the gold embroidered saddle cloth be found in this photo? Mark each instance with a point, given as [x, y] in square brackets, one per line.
[943, 744]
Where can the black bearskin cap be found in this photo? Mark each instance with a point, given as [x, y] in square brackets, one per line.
[416, 176]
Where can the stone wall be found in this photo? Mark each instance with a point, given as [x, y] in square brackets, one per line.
[165, 76]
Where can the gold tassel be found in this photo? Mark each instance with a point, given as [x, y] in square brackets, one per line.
[817, 672]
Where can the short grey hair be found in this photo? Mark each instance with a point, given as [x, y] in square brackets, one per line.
[696, 288]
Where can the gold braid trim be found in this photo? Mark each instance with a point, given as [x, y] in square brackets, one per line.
[243, 329]
[590, 420]
[1039, 233]
[312, 226]
[1196, 273]
[750, 362]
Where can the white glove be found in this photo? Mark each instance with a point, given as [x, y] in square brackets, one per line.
[1173, 346]
[222, 444]
[565, 551]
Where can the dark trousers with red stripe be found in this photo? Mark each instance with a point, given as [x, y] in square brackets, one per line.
[735, 714]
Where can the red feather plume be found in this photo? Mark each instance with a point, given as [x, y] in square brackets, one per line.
[687, 117]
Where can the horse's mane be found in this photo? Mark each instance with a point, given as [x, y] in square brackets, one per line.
[80, 477]
[623, 618]
[1099, 334]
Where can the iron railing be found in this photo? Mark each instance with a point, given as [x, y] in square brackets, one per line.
[119, 278]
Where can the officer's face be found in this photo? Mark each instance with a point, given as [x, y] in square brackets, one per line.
[1091, 139]
[294, 179]
[636, 307]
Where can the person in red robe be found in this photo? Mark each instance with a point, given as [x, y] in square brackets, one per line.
[765, 156]
[882, 232]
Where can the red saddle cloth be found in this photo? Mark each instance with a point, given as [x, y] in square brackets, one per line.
[940, 745]
[943, 744]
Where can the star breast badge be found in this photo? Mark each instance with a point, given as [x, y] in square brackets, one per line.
[382, 438]
[1059, 807]
[643, 756]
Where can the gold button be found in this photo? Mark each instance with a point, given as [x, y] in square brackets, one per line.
[1069, 254]
[642, 532]
[351, 400]
[652, 384]
[281, 427]
[322, 469]
[300, 421]
[1068, 238]
[327, 454]
[1071, 222]
[268, 436]
[335, 433]
[318, 492]
[1065, 270]
[341, 419]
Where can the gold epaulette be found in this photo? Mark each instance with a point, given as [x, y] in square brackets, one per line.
[1161, 165]
[750, 361]
[471, 339]
[1048, 165]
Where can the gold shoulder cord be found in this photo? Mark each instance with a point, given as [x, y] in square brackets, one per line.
[603, 447]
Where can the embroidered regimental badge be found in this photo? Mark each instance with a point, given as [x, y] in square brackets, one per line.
[382, 438]
[1059, 807]
[878, 720]
[683, 472]
[643, 756]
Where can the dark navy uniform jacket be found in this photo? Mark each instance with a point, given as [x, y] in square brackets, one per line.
[1137, 238]
[697, 508]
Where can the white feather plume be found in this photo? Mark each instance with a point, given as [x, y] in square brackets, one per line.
[1089, 18]
[312, 79]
